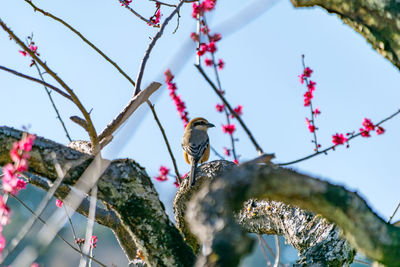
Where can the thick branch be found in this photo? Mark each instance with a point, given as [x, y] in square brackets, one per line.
[216, 228]
[125, 188]
[376, 20]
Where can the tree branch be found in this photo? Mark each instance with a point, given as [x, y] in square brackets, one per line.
[36, 80]
[224, 239]
[125, 188]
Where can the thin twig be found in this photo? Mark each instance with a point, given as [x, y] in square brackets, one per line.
[163, 4]
[362, 262]
[258, 148]
[216, 153]
[75, 99]
[394, 213]
[72, 228]
[37, 80]
[45, 13]
[138, 15]
[151, 45]
[263, 250]
[334, 146]
[52, 103]
[178, 176]
[57, 234]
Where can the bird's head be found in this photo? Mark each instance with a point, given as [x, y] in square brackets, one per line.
[199, 124]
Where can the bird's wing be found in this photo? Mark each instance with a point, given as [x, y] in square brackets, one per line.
[196, 150]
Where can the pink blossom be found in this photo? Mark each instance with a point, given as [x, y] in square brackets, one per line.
[202, 50]
[24, 53]
[211, 47]
[339, 139]
[310, 126]
[208, 62]
[364, 132]
[301, 77]
[209, 5]
[93, 241]
[9, 171]
[316, 112]
[164, 170]
[311, 85]
[33, 48]
[35, 264]
[2, 243]
[220, 107]
[59, 203]
[161, 178]
[368, 125]
[195, 37]
[236, 161]
[307, 72]
[204, 29]
[229, 128]
[238, 110]
[221, 64]
[227, 151]
[216, 37]
[380, 130]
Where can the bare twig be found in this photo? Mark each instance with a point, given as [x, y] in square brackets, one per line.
[35, 8]
[178, 176]
[138, 15]
[394, 213]
[150, 47]
[52, 103]
[216, 152]
[163, 4]
[36, 80]
[57, 234]
[258, 148]
[133, 104]
[334, 146]
[81, 122]
[75, 99]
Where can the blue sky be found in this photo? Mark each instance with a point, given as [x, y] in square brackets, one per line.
[263, 60]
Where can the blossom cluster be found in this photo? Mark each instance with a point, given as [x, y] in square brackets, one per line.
[308, 96]
[162, 176]
[11, 183]
[155, 19]
[179, 104]
[211, 47]
[93, 241]
[33, 48]
[369, 126]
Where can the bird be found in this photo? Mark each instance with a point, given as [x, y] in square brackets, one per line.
[196, 145]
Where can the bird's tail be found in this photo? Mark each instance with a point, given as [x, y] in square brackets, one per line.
[192, 177]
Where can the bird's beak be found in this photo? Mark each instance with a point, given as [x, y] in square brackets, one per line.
[210, 125]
